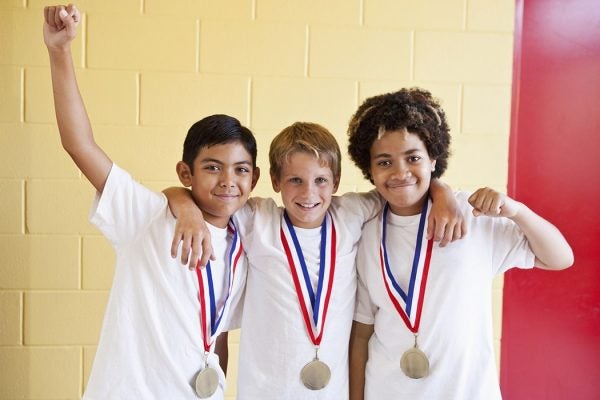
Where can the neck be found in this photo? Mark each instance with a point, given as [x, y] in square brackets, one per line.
[217, 222]
[408, 210]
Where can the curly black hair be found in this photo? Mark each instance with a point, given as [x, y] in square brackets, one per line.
[413, 109]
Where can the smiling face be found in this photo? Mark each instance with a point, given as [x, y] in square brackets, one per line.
[401, 170]
[222, 180]
[306, 188]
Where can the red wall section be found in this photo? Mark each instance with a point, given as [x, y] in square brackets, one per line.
[551, 321]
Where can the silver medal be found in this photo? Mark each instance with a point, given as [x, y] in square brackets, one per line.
[207, 382]
[414, 363]
[315, 375]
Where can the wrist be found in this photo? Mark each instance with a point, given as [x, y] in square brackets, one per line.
[59, 51]
[519, 209]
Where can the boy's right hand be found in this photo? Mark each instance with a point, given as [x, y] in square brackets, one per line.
[60, 26]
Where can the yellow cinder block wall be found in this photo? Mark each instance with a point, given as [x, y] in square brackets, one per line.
[148, 69]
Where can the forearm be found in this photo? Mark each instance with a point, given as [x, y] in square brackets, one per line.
[439, 190]
[547, 243]
[181, 202]
[358, 356]
[222, 350]
[73, 122]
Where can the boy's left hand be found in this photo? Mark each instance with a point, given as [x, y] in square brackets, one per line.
[488, 202]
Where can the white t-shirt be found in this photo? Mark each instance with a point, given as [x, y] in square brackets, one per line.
[151, 344]
[456, 320]
[274, 344]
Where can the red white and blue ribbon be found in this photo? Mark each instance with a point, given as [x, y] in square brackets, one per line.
[210, 317]
[408, 303]
[313, 302]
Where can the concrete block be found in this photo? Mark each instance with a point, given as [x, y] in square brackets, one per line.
[40, 372]
[39, 262]
[63, 318]
[359, 53]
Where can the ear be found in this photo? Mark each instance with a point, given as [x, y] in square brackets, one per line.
[433, 165]
[184, 173]
[275, 183]
[255, 176]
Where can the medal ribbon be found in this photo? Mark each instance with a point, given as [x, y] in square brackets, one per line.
[307, 297]
[404, 301]
[205, 285]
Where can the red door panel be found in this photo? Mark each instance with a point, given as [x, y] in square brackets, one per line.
[551, 320]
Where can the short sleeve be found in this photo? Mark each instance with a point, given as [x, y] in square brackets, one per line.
[510, 247]
[364, 206]
[365, 309]
[125, 207]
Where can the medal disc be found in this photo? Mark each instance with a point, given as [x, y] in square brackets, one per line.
[207, 382]
[315, 375]
[414, 363]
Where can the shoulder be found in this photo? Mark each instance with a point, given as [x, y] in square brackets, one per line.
[257, 210]
[121, 185]
[363, 206]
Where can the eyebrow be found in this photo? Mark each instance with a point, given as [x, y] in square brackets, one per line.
[387, 155]
[216, 161]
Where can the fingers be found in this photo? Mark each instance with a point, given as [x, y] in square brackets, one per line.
[49, 16]
[207, 252]
[180, 238]
[175, 244]
[196, 248]
[73, 12]
[70, 17]
[60, 17]
[486, 201]
[446, 231]
[430, 225]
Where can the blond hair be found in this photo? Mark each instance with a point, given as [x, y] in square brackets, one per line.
[306, 137]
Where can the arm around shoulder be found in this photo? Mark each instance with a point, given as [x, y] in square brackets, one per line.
[191, 230]
[446, 223]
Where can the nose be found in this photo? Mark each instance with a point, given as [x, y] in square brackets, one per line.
[401, 170]
[227, 179]
[306, 188]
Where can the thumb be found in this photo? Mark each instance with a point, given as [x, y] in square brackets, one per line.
[70, 18]
[430, 222]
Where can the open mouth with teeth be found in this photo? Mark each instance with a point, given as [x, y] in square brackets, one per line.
[307, 206]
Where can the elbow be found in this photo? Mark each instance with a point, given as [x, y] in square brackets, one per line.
[68, 147]
[561, 262]
[569, 260]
